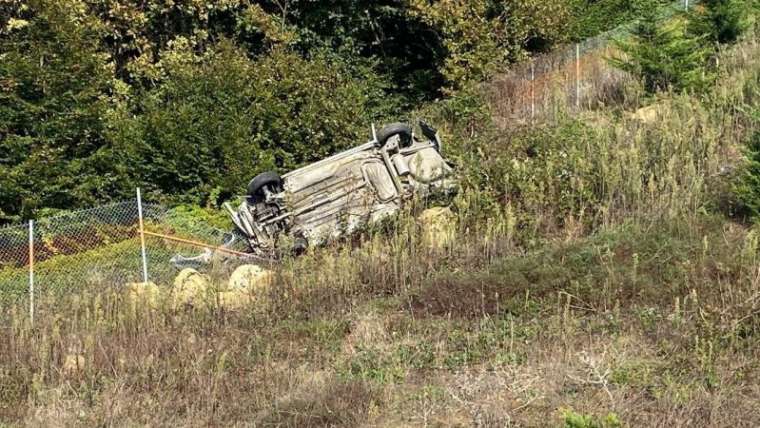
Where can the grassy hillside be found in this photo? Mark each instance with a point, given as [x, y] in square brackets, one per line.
[598, 277]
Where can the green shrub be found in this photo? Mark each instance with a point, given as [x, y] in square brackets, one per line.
[481, 37]
[216, 120]
[720, 21]
[664, 55]
[54, 81]
[593, 17]
[199, 223]
[578, 420]
[748, 187]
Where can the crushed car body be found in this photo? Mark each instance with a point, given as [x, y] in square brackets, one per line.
[336, 196]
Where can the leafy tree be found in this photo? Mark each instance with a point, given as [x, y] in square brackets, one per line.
[54, 85]
[664, 55]
[367, 33]
[216, 120]
[137, 33]
[483, 36]
[382, 34]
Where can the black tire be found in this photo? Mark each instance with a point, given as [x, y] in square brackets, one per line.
[269, 178]
[394, 129]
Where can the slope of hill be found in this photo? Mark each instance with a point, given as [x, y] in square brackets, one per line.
[596, 278]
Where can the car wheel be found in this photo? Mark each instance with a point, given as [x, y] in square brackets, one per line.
[266, 179]
[397, 128]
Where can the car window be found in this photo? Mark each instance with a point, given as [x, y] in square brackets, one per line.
[377, 175]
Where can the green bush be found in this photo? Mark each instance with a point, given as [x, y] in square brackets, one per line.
[578, 420]
[720, 21]
[664, 55]
[748, 186]
[198, 223]
[54, 82]
[589, 18]
[217, 120]
[482, 37]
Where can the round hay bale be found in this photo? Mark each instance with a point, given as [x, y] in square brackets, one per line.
[438, 226]
[246, 283]
[143, 295]
[191, 288]
[250, 277]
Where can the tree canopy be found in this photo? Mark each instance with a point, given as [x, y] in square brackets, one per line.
[190, 98]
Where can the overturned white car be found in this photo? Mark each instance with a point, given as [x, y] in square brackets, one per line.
[337, 195]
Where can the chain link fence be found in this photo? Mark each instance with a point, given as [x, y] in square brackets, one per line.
[575, 78]
[102, 248]
[578, 77]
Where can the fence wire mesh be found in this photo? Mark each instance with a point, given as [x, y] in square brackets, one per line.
[99, 245]
[574, 78]
[579, 77]
[100, 248]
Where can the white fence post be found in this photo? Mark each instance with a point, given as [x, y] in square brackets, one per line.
[142, 237]
[577, 75]
[31, 272]
[532, 90]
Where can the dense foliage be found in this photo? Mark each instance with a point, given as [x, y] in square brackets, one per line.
[720, 21]
[189, 99]
[665, 55]
[55, 82]
[675, 53]
[748, 186]
[594, 17]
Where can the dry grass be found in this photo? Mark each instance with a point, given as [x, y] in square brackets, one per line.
[548, 85]
[619, 295]
[650, 324]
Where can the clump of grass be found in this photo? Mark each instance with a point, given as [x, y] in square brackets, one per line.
[634, 264]
[336, 403]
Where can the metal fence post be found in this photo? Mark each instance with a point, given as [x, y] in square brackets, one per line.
[577, 75]
[142, 237]
[31, 272]
[532, 90]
